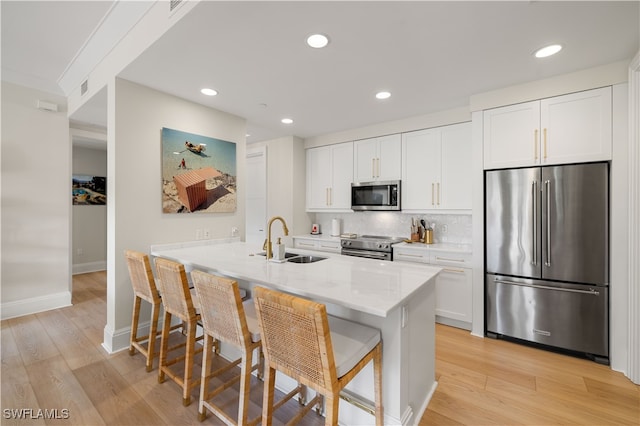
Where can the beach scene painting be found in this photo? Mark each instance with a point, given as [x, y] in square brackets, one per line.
[198, 173]
[87, 190]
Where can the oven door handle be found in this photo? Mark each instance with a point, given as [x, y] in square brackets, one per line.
[365, 253]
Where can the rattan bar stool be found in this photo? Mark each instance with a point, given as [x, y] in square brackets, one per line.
[144, 288]
[227, 319]
[322, 352]
[178, 301]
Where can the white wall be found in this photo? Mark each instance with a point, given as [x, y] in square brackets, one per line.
[286, 177]
[36, 203]
[89, 223]
[137, 115]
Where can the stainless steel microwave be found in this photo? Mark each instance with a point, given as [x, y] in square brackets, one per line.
[382, 195]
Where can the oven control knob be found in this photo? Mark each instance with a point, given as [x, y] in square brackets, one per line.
[383, 246]
[346, 243]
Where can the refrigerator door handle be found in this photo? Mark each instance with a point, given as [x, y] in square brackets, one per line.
[534, 193]
[591, 291]
[547, 184]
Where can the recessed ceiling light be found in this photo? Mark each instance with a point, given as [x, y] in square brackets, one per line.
[209, 92]
[287, 121]
[317, 41]
[383, 95]
[547, 51]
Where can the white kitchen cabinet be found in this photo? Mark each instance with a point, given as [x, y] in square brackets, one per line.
[454, 285]
[329, 177]
[435, 168]
[316, 243]
[378, 159]
[571, 128]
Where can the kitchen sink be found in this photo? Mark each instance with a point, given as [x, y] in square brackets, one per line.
[306, 259]
[287, 255]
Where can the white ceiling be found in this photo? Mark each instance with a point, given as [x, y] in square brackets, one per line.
[431, 56]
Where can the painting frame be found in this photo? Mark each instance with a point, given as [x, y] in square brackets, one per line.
[199, 173]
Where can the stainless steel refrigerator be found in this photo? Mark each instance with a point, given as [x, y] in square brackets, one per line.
[547, 256]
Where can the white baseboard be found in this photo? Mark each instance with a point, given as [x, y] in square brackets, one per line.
[83, 268]
[425, 404]
[36, 304]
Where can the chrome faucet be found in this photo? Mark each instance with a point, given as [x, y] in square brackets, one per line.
[267, 242]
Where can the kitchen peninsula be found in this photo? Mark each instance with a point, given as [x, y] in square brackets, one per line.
[399, 299]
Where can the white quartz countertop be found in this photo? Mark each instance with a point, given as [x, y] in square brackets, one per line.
[367, 285]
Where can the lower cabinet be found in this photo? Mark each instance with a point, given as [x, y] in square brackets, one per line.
[315, 243]
[453, 284]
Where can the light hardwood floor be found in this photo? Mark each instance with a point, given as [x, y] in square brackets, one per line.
[54, 360]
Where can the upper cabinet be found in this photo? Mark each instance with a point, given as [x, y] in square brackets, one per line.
[378, 159]
[329, 177]
[563, 129]
[435, 168]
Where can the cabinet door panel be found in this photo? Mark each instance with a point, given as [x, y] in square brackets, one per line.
[453, 294]
[511, 136]
[420, 169]
[455, 181]
[318, 177]
[342, 176]
[364, 160]
[576, 127]
[390, 157]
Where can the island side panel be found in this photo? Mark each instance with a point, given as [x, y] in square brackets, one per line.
[421, 340]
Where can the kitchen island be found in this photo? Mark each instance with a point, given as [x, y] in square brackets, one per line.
[399, 299]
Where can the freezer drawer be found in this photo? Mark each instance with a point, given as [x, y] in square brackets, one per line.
[568, 316]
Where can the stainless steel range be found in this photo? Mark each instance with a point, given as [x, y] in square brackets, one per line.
[369, 246]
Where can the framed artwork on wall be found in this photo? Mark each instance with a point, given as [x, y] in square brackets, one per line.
[198, 173]
[87, 190]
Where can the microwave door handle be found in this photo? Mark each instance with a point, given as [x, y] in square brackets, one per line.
[388, 195]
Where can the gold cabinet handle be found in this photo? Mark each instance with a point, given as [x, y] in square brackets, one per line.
[545, 143]
[535, 144]
[455, 271]
[432, 192]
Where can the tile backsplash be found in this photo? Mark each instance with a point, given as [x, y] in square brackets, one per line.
[449, 228]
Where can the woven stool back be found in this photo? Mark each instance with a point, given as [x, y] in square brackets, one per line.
[141, 276]
[174, 287]
[296, 338]
[221, 308]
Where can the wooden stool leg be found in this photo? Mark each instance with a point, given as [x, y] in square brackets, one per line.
[245, 383]
[267, 397]
[164, 346]
[331, 408]
[188, 364]
[135, 316]
[377, 377]
[153, 331]
[205, 375]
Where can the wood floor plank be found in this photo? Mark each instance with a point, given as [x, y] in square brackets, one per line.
[75, 347]
[17, 394]
[116, 401]
[56, 387]
[32, 340]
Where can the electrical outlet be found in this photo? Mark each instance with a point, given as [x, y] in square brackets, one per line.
[206, 233]
[234, 231]
[198, 234]
[445, 229]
